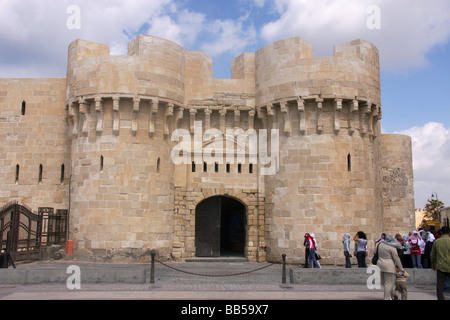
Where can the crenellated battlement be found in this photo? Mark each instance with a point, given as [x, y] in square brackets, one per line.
[288, 68]
[318, 115]
[292, 115]
[281, 85]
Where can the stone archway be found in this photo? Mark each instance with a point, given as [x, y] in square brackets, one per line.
[220, 227]
[186, 202]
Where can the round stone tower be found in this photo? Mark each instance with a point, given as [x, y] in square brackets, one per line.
[327, 111]
[120, 110]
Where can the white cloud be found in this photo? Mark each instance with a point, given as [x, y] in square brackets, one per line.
[259, 3]
[35, 36]
[229, 36]
[184, 30]
[431, 154]
[409, 29]
[214, 37]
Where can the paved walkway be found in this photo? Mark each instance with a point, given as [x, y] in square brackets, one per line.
[172, 284]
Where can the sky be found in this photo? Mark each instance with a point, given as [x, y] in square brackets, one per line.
[413, 37]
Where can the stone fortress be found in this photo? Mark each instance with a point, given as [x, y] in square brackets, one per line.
[99, 143]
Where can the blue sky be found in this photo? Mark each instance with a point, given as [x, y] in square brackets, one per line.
[413, 37]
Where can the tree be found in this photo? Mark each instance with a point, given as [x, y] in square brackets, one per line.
[433, 208]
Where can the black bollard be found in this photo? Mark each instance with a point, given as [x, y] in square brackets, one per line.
[6, 258]
[4, 261]
[283, 275]
[152, 270]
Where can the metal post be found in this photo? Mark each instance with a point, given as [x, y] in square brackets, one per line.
[152, 270]
[283, 276]
[8, 239]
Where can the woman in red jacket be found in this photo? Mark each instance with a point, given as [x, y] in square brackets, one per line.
[416, 254]
[312, 251]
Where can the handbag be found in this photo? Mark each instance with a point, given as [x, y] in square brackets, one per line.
[317, 255]
[375, 256]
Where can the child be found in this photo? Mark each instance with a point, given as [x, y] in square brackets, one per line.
[400, 285]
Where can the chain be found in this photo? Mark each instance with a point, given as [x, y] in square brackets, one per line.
[215, 275]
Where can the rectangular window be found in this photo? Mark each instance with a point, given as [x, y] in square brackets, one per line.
[40, 173]
[17, 173]
[62, 173]
[349, 162]
[24, 107]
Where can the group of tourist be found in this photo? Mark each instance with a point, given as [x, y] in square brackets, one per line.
[418, 249]
[413, 249]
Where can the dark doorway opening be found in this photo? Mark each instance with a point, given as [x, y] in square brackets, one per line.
[220, 227]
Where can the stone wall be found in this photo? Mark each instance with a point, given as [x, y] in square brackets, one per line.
[34, 151]
[328, 184]
[398, 188]
[122, 186]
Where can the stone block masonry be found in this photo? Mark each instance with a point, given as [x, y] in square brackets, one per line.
[99, 142]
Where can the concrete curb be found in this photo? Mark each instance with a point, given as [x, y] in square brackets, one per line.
[140, 274]
[129, 274]
[353, 276]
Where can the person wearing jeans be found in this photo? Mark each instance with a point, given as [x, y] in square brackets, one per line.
[361, 249]
[416, 253]
[312, 251]
[440, 261]
[347, 254]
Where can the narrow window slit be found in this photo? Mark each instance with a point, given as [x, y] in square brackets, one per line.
[41, 169]
[24, 106]
[349, 162]
[17, 173]
[62, 173]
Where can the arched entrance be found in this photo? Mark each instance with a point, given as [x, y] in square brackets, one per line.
[220, 227]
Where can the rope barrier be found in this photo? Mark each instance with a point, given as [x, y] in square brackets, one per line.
[152, 269]
[215, 275]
